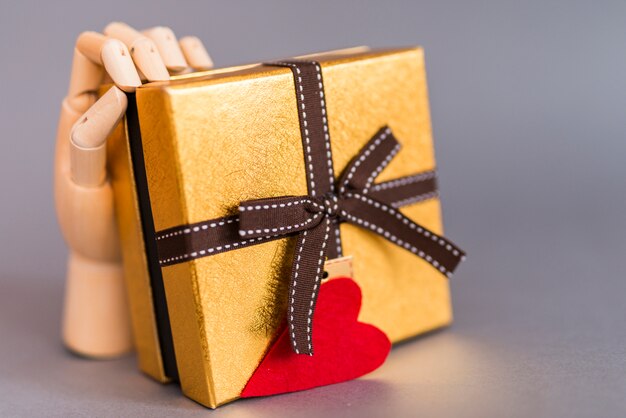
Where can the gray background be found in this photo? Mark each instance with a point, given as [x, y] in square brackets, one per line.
[528, 102]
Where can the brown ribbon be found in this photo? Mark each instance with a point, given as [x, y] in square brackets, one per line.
[315, 218]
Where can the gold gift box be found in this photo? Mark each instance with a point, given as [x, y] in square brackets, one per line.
[214, 139]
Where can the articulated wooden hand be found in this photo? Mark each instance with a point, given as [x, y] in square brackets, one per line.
[96, 321]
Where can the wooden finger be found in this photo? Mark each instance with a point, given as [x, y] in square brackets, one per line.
[142, 49]
[168, 47]
[195, 53]
[113, 55]
[85, 79]
[88, 138]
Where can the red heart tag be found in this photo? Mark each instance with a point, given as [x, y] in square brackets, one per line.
[344, 348]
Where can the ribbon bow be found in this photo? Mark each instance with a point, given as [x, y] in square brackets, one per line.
[313, 217]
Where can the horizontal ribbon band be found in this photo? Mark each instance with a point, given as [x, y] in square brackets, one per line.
[315, 218]
[214, 236]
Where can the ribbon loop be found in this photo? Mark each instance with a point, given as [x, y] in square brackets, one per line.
[370, 162]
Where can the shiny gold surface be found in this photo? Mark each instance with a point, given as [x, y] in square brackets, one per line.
[211, 142]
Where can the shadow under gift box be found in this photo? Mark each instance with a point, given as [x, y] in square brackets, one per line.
[214, 139]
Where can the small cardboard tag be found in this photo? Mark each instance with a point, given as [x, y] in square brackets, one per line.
[339, 267]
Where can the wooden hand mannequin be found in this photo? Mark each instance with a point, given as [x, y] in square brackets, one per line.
[96, 319]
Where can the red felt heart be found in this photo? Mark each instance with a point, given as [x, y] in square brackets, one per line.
[344, 348]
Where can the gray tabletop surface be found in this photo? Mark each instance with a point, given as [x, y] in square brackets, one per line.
[529, 112]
